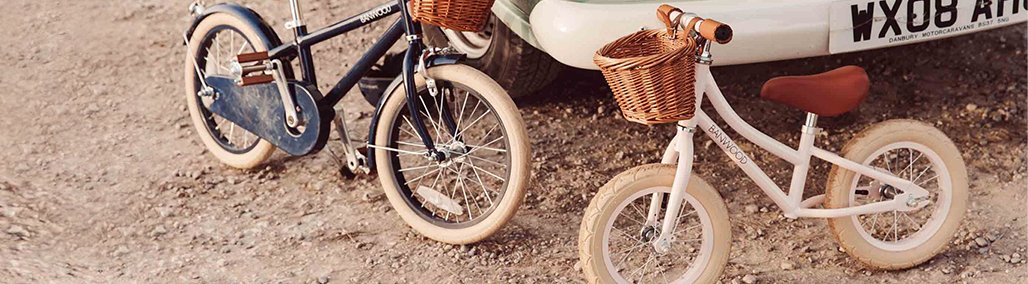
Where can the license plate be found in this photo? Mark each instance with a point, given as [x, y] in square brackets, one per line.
[868, 24]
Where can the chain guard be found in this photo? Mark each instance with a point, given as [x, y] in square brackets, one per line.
[258, 109]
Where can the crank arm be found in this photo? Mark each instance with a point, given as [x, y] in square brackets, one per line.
[277, 71]
[292, 120]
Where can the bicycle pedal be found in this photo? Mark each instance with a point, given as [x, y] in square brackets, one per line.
[252, 57]
[259, 79]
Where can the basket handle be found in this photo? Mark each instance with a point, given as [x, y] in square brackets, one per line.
[664, 15]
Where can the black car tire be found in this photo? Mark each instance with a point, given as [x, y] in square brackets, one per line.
[515, 64]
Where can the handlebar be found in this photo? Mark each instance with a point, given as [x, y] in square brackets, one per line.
[707, 28]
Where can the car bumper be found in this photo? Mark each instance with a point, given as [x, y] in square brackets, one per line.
[764, 30]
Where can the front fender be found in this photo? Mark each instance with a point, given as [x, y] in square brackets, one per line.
[438, 60]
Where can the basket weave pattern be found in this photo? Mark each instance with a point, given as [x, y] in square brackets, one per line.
[652, 75]
[459, 15]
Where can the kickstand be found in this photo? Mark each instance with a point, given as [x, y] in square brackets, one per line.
[356, 162]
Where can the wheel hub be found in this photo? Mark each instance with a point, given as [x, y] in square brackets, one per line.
[452, 152]
[888, 191]
[235, 69]
[647, 234]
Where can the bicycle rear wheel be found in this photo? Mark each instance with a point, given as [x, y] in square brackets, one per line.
[213, 47]
[913, 151]
[479, 185]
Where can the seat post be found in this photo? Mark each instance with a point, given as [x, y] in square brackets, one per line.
[811, 121]
[297, 20]
[809, 133]
[799, 172]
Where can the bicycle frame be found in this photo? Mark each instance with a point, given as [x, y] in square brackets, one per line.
[792, 203]
[301, 49]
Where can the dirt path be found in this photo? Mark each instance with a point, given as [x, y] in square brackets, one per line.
[103, 180]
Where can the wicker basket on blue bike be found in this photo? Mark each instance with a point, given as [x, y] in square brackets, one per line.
[459, 15]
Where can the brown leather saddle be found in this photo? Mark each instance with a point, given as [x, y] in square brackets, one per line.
[827, 94]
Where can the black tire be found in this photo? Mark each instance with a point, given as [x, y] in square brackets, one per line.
[516, 65]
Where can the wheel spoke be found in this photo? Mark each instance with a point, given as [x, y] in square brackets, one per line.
[629, 253]
[416, 168]
[895, 225]
[490, 131]
[637, 211]
[473, 110]
[421, 176]
[231, 132]
[687, 229]
[627, 235]
[460, 115]
[472, 123]
[887, 164]
[910, 167]
[921, 174]
[917, 225]
[395, 150]
[430, 119]
[485, 160]
[928, 180]
[464, 185]
[874, 218]
[481, 184]
[243, 48]
[464, 192]
[405, 143]
[435, 126]
[439, 110]
[476, 148]
[662, 275]
[647, 263]
[489, 173]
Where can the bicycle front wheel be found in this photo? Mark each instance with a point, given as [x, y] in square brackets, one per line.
[479, 184]
[616, 244]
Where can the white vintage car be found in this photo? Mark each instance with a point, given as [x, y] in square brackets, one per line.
[570, 31]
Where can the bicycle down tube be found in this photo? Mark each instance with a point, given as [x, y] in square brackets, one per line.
[404, 25]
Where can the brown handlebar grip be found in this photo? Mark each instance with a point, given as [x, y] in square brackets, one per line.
[716, 31]
[664, 14]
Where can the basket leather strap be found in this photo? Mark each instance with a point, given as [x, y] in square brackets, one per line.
[692, 24]
[664, 15]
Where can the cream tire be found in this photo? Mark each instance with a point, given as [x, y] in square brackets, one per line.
[519, 150]
[262, 150]
[643, 180]
[930, 238]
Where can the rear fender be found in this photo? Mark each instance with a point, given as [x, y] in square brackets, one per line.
[264, 31]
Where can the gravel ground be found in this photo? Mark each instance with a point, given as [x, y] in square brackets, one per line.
[104, 180]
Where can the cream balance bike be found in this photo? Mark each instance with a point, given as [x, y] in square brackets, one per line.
[894, 199]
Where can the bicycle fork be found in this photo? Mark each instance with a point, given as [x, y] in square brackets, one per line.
[683, 146]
